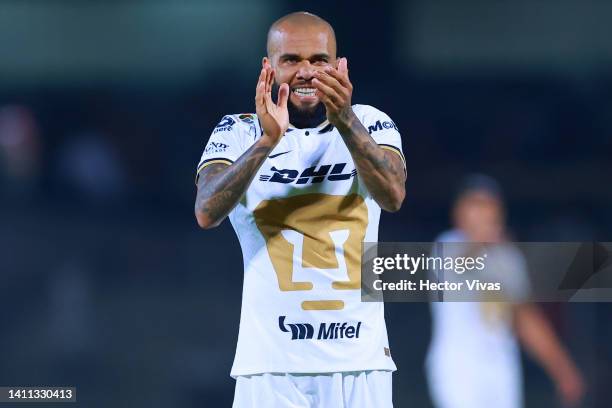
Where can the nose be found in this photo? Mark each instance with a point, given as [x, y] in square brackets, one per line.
[305, 71]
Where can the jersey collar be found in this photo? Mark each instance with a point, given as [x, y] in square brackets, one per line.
[319, 127]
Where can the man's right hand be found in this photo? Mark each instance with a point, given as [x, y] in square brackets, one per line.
[220, 186]
[274, 118]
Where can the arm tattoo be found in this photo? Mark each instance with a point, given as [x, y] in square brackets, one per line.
[220, 186]
[381, 170]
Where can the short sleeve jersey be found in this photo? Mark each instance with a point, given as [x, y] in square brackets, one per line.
[301, 224]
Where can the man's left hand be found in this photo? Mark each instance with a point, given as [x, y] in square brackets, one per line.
[335, 90]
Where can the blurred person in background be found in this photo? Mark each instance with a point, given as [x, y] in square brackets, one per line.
[20, 151]
[303, 182]
[473, 359]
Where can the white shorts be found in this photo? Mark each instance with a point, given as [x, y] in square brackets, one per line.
[454, 384]
[355, 389]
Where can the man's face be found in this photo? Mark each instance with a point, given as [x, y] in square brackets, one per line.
[480, 216]
[296, 52]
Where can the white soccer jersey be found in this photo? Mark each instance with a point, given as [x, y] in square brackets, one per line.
[473, 359]
[301, 224]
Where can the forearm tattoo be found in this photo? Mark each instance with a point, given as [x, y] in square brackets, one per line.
[381, 170]
[220, 186]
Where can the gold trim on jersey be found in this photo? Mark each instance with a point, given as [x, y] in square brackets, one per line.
[208, 162]
[395, 150]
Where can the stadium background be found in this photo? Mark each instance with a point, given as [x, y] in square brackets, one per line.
[106, 282]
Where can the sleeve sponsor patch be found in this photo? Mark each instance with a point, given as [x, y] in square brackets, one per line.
[226, 124]
[215, 147]
[247, 117]
[380, 125]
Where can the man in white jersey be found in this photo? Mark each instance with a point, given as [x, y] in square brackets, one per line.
[303, 182]
[473, 359]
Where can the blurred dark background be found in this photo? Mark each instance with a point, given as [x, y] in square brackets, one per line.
[107, 284]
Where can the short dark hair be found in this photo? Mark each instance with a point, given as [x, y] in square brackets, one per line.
[479, 183]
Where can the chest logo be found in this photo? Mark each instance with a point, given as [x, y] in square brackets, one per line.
[310, 175]
[314, 244]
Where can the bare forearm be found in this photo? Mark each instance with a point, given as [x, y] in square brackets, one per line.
[382, 171]
[537, 336]
[220, 187]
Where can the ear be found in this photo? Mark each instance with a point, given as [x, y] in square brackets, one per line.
[265, 62]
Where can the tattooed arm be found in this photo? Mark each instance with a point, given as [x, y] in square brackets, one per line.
[220, 186]
[381, 171]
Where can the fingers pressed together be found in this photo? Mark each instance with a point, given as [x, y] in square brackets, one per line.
[333, 86]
